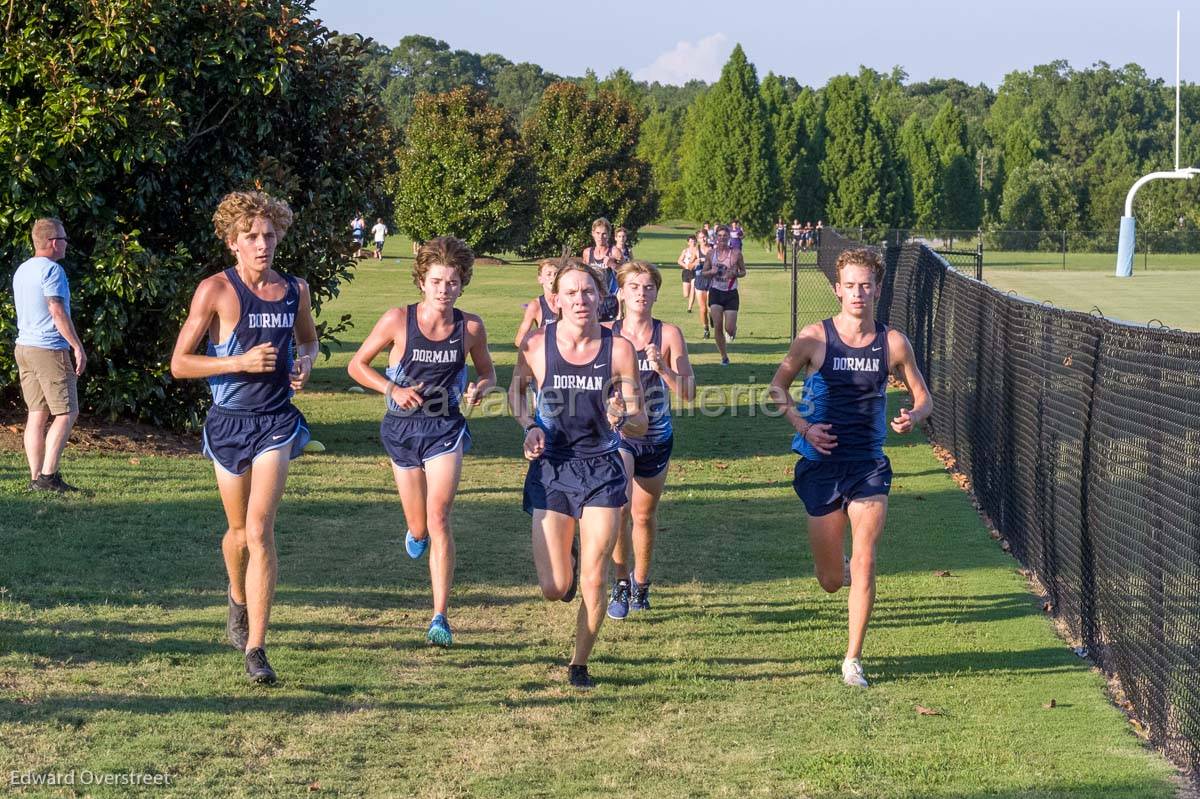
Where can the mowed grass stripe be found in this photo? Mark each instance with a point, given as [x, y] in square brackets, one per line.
[111, 626]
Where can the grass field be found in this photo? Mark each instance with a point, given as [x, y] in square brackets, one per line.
[112, 656]
[1171, 298]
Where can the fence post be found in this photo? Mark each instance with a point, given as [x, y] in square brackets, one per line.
[1064, 249]
[795, 310]
[979, 254]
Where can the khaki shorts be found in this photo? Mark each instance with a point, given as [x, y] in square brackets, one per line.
[47, 380]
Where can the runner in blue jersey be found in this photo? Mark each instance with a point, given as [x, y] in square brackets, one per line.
[588, 394]
[723, 266]
[542, 311]
[252, 315]
[663, 369]
[424, 430]
[840, 426]
[604, 258]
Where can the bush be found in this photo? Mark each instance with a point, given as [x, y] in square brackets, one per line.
[463, 172]
[129, 120]
[584, 153]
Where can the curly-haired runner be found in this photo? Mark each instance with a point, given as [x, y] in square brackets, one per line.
[424, 430]
[251, 314]
[840, 426]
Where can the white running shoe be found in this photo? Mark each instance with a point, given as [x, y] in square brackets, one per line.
[852, 673]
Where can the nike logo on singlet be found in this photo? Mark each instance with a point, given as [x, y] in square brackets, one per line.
[454, 340]
[876, 349]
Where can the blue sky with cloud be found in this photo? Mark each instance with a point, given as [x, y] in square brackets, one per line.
[673, 41]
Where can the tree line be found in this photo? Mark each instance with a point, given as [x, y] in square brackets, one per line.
[1053, 147]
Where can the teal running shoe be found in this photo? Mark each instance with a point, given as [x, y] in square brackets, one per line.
[439, 632]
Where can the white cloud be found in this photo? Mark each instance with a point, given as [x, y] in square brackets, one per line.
[687, 61]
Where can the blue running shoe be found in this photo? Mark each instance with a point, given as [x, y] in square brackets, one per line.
[439, 632]
[413, 547]
[618, 604]
[640, 595]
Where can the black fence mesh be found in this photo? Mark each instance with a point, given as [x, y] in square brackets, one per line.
[1080, 436]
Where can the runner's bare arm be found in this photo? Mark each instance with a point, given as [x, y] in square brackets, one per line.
[904, 366]
[626, 409]
[187, 365]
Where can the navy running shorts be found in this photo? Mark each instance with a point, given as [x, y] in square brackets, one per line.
[727, 300]
[567, 486]
[649, 458]
[233, 439]
[687, 275]
[702, 283]
[826, 486]
[412, 440]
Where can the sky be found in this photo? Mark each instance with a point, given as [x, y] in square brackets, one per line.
[673, 41]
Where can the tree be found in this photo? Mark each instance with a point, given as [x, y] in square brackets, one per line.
[1039, 196]
[659, 145]
[958, 202]
[859, 167]
[584, 154]
[810, 189]
[729, 169]
[133, 133]
[463, 171]
[787, 141]
[422, 65]
[924, 173]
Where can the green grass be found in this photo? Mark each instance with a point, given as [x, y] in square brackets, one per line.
[1171, 298]
[111, 624]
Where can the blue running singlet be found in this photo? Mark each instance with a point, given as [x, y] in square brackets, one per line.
[572, 402]
[655, 391]
[441, 366]
[549, 316]
[849, 391]
[261, 321]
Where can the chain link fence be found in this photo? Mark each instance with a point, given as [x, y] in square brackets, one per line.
[1079, 437]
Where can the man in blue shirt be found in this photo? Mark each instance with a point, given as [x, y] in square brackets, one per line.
[46, 338]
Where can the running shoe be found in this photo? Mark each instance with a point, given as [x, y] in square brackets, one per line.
[579, 678]
[570, 595]
[725, 361]
[852, 673]
[706, 334]
[641, 595]
[439, 632]
[257, 668]
[237, 624]
[618, 604]
[414, 547]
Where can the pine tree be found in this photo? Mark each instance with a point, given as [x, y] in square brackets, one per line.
[463, 172]
[810, 189]
[728, 168]
[924, 172]
[584, 155]
[859, 165]
[787, 142]
[958, 198]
